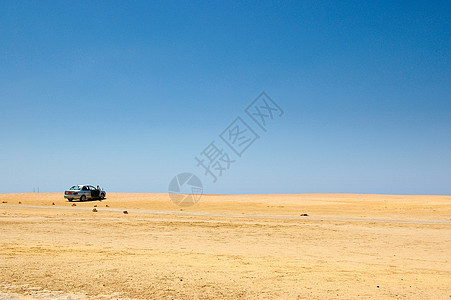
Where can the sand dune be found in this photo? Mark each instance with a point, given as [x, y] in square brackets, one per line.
[226, 246]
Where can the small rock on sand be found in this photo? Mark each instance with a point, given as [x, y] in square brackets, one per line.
[74, 204]
[4, 202]
[53, 203]
[107, 205]
[95, 205]
[94, 209]
[125, 212]
[304, 215]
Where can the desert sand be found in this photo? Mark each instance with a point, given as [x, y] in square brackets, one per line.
[348, 246]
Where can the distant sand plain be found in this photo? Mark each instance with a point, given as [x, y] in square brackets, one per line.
[348, 246]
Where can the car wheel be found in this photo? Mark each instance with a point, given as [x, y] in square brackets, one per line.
[102, 196]
[70, 200]
[83, 198]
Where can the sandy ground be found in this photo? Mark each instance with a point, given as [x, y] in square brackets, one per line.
[241, 246]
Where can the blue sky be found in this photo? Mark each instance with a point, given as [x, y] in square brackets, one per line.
[126, 93]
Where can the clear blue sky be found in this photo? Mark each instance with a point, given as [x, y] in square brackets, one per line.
[126, 93]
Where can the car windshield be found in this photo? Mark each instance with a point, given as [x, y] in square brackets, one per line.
[74, 188]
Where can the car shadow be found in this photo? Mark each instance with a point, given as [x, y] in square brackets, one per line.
[88, 200]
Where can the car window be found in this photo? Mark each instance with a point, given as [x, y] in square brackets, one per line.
[74, 188]
[92, 188]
